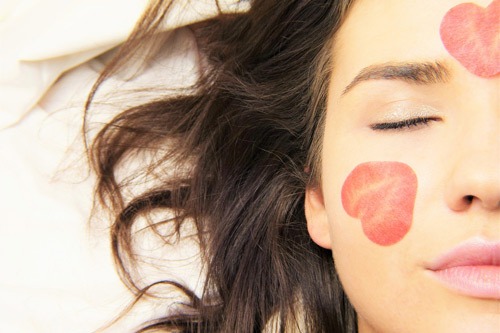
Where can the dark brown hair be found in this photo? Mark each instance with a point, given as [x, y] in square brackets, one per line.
[236, 155]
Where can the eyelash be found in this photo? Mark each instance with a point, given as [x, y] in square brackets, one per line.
[404, 124]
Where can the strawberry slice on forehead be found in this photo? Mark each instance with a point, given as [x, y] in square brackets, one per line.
[471, 34]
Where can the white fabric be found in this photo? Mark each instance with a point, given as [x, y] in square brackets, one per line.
[56, 269]
[40, 39]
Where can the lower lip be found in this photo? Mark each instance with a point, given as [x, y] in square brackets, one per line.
[475, 281]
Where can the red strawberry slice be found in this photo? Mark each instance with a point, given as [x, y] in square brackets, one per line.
[382, 195]
[471, 34]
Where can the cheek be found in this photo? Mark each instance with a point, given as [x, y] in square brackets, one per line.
[381, 195]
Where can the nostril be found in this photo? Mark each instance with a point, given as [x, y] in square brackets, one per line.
[469, 198]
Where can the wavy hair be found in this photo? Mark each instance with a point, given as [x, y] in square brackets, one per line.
[240, 150]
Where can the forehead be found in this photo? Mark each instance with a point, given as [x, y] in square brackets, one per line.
[381, 31]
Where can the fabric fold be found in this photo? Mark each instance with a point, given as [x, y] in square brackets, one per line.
[41, 39]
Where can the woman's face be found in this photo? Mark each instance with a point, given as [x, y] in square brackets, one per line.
[410, 188]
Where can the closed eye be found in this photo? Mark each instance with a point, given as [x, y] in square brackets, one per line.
[404, 124]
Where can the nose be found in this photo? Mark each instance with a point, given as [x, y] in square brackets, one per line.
[475, 178]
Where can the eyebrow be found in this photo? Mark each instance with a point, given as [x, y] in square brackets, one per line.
[411, 72]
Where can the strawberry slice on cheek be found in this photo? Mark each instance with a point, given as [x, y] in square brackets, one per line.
[381, 195]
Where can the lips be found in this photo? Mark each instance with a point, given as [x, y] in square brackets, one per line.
[472, 269]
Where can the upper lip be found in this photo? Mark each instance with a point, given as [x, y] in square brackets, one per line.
[475, 252]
